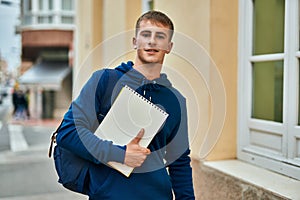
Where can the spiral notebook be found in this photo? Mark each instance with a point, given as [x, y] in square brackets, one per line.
[129, 113]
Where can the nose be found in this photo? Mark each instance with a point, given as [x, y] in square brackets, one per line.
[152, 40]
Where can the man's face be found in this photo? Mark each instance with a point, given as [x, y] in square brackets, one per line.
[152, 42]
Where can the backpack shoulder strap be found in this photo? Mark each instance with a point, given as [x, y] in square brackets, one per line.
[113, 77]
[53, 139]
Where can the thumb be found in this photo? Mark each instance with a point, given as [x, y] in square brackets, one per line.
[138, 137]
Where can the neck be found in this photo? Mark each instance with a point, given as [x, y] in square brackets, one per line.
[151, 70]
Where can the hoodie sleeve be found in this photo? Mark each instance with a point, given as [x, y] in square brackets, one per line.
[178, 160]
[80, 122]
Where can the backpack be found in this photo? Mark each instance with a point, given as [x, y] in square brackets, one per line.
[76, 179]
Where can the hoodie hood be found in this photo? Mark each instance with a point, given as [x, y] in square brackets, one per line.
[136, 79]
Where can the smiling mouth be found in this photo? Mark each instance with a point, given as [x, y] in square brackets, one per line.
[151, 50]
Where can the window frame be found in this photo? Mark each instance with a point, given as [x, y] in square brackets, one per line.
[48, 16]
[146, 5]
[288, 160]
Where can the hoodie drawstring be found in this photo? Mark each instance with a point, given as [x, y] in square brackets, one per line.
[149, 86]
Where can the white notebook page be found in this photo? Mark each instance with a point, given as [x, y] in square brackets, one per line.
[128, 115]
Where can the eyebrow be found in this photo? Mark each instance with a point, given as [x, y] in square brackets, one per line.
[160, 33]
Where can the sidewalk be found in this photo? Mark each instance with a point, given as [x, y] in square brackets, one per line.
[37, 122]
[50, 196]
[26, 134]
[26, 172]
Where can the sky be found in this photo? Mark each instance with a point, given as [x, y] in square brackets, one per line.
[10, 44]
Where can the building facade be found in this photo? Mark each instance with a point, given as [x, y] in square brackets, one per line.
[47, 31]
[237, 62]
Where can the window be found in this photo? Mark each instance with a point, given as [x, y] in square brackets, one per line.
[45, 14]
[67, 5]
[147, 5]
[268, 26]
[50, 4]
[269, 86]
[67, 19]
[26, 11]
[48, 12]
[27, 6]
[41, 5]
[45, 5]
[45, 19]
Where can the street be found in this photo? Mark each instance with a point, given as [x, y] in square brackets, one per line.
[26, 172]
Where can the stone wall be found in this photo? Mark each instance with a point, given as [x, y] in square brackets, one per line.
[211, 184]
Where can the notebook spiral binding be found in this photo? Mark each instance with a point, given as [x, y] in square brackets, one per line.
[142, 97]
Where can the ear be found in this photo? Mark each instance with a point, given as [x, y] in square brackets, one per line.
[134, 43]
[170, 46]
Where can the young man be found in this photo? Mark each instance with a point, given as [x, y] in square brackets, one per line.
[161, 170]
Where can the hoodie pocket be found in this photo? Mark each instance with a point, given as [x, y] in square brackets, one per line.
[100, 180]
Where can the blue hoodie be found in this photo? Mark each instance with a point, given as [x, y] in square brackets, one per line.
[168, 165]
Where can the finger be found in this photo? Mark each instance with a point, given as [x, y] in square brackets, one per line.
[144, 151]
[147, 151]
[138, 137]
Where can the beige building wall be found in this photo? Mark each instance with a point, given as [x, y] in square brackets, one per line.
[88, 34]
[223, 49]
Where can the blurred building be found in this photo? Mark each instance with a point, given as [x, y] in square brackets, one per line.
[10, 47]
[246, 144]
[47, 44]
[3, 70]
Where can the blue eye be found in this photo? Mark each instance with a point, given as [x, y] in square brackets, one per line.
[146, 34]
[160, 37]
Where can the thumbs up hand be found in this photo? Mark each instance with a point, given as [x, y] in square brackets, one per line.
[135, 154]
